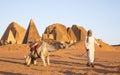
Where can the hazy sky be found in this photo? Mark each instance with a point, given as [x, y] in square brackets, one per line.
[101, 16]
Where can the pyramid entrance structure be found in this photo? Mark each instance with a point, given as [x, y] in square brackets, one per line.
[9, 38]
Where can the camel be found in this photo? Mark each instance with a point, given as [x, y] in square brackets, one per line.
[38, 50]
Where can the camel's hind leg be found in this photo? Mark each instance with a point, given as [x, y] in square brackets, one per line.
[35, 62]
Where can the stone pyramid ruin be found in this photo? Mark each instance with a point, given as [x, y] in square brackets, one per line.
[60, 33]
[14, 31]
[71, 34]
[32, 34]
[79, 32]
[56, 32]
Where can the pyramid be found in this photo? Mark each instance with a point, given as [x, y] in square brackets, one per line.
[32, 34]
[72, 35]
[58, 32]
[79, 32]
[17, 31]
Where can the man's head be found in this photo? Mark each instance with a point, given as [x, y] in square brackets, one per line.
[89, 33]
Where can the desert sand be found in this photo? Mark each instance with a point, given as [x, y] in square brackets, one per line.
[62, 62]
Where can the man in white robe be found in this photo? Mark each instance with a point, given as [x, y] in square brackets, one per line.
[90, 48]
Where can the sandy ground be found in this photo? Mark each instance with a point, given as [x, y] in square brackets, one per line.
[63, 62]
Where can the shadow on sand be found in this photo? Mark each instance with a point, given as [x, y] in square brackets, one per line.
[10, 73]
[67, 72]
[11, 60]
[107, 67]
[66, 63]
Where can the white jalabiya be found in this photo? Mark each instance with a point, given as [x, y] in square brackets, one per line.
[90, 45]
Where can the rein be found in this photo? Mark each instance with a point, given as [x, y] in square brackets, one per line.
[34, 48]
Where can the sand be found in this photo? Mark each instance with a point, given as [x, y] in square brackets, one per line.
[62, 62]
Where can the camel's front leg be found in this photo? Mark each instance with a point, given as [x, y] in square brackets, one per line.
[48, 60]
[28, 61]
[43, 60]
